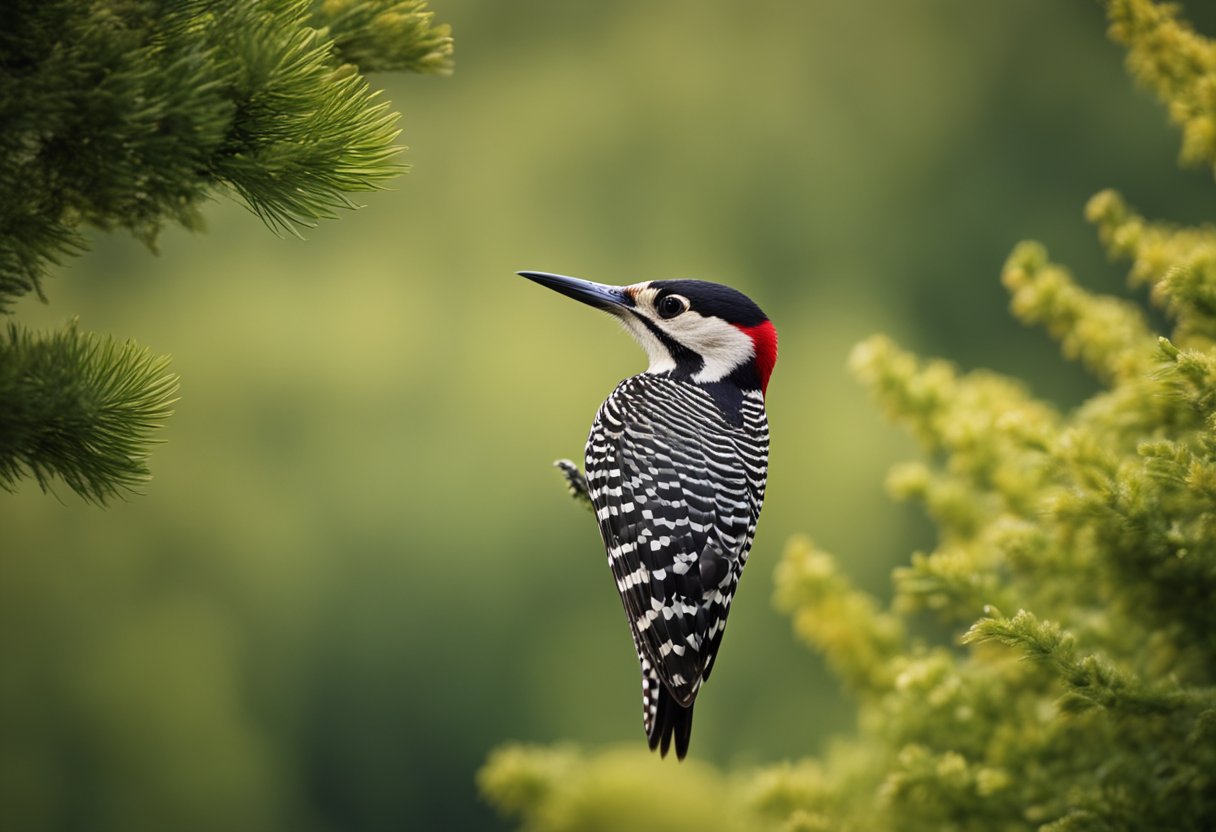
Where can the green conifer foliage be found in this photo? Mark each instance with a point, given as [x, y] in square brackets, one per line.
[129, 114]
[1075, 564]
[84, 408]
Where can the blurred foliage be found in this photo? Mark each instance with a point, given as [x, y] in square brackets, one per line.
[130, 114]
[1093, 706]
[1166, 54]
[617, 789]
[357, 573]
[384, 35]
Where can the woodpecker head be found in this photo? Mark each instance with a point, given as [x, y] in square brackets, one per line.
[691, 329]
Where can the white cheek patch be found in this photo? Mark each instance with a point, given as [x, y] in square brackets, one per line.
[722, 346]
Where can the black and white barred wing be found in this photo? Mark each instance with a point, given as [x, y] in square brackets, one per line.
[677, 503]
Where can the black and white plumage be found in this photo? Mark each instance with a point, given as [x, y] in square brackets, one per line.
[676, 466]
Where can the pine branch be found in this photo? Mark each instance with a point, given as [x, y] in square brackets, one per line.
[305, 133]
[80, 407]
[131, 113]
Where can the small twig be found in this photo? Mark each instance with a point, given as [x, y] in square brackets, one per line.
[576, 483]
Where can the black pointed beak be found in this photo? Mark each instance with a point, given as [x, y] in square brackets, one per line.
[599, 295]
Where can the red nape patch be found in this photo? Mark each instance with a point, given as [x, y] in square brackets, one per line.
[764, 336]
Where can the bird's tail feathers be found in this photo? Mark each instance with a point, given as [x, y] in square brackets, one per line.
[672, 724]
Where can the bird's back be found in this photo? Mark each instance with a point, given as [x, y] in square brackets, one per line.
[676, 473]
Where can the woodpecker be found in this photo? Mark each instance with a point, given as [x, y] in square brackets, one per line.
[676, 464]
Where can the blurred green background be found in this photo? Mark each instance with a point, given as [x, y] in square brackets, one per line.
[355, 571]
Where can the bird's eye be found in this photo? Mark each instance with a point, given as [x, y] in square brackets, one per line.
[671, 305]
